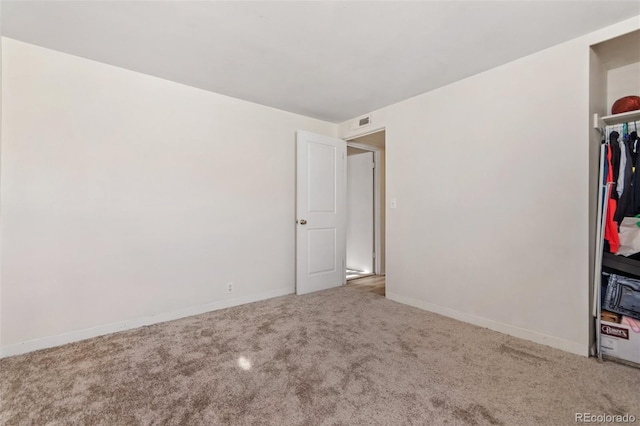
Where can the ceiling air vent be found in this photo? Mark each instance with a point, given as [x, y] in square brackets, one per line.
[365, 120]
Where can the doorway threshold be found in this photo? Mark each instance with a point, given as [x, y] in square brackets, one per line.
[353, 274]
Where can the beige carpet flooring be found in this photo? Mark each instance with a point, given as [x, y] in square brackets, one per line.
[337, 357]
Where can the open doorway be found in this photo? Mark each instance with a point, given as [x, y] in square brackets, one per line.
[360, 213]
[365, 259]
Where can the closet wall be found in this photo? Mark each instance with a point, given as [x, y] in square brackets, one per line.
[597, 105]
[618, 68]
[625, 80]
[493, 223]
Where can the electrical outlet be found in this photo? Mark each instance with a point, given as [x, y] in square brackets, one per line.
[229, 287]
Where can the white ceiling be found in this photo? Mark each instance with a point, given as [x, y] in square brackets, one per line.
[328, 60]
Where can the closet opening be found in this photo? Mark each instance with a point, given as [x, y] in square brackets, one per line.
[366, 212]
[615, 198]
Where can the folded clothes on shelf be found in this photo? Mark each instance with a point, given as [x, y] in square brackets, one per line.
[622, 296]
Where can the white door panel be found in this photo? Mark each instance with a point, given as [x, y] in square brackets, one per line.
[322, 178]
[321, 212]
[322, 250]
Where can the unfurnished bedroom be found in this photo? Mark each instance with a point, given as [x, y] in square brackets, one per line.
[319, 212]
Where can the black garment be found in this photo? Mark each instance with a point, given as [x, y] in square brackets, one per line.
[632, 143]
[624, 200]
[615, 162]
[634, 207]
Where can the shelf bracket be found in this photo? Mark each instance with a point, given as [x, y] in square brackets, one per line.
[596, 124]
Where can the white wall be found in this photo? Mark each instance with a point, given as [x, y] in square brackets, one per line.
[622, 81]
[360, 211]
[491, 176]
[0, 174]
[382, 255]
[127, 199]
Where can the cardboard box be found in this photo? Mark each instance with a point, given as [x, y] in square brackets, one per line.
[621, 340]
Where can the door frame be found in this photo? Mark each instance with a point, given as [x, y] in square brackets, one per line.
[376, 197]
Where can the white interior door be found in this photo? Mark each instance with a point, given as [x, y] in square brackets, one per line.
[321, 212]
[360, 238]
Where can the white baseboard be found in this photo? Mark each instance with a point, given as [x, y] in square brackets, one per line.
[101, 330]
[522, 333]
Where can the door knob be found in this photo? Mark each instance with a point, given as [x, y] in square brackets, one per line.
[303, 222]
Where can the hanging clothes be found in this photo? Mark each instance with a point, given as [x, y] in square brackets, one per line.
[623, 186]
[614, 146]
[634, 144]
[622, 170]
[611, 226]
